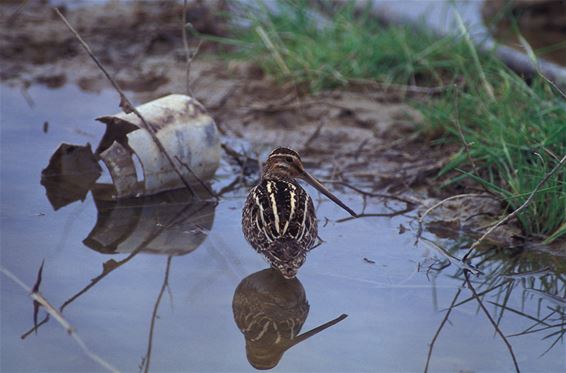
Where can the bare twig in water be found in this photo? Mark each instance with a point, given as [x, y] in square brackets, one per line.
[369, 215]
[37, 297]
[509, 347]
[190, 55]
[452, 259]
[164, 286]
[373, 194]
[518, 210]
[125, 104]
[444, 320]
[202, 183]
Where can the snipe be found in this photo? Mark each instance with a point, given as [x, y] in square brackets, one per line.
[279, 219]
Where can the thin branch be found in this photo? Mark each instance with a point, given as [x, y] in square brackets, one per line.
[35, 289]
[509, 347]
[201, 182]
[518, 210]
[315, 134]
[452, 259]
[403, 89]
[126, 104]
[436, 205]
[369, 215]
[372, 194]
[37, 297]
[190, 55]
[444, 320]
[154, 315]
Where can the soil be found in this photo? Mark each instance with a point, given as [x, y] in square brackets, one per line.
[365, 137]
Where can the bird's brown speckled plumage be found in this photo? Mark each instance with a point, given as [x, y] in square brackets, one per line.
[279, 219]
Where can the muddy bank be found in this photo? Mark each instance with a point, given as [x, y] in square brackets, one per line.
[362, 137]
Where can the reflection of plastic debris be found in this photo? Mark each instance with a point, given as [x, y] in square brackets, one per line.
[184, 128]
[71, 172]
[173, 223]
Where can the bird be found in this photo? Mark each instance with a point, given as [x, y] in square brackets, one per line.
[270, 311]
[278, 218]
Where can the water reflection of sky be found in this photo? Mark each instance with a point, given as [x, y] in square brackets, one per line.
[391, 306]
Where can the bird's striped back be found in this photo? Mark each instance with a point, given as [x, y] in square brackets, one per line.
[279, 210]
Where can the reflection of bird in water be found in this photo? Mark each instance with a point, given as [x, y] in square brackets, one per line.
[270, 311]
[279, 220]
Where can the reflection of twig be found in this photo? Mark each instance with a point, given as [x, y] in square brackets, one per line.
[444, 320]
[110, 266]
[518, 210]
[164, 286]
[483, 293]
[125, 104]
[452, 259]
[190, 55]
[471, 287]
[37, 297]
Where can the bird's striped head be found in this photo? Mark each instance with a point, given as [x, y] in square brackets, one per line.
[283, 162]
[286, 163]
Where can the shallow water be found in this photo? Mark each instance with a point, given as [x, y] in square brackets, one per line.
[394, 305]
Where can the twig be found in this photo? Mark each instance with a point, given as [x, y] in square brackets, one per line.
[315, 133]
[368, 215]
[17, 12]
[190, 55]
[444, 320]
[37, 297]
[202, 183]
[154, 314]
[518, 210]
[509, 347]
[35, 289]
[125, 104]
[436, 205]
[452, 259]
[372, 194]
[403, 89]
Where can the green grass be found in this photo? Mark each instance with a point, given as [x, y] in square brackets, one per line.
[516, 131]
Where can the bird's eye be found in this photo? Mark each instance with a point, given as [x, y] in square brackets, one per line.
[289, 160]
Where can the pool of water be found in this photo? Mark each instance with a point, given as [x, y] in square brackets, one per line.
[365, 268]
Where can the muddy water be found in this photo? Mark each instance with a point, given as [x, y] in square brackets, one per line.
[365, 269]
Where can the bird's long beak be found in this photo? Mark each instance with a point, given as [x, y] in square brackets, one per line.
[315, 183]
